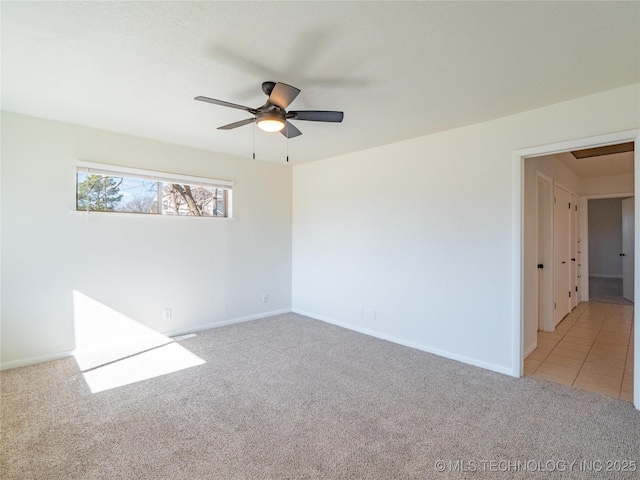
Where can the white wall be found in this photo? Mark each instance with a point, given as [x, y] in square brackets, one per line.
[422, 231]
[607, 185]
[208, 271]
[551, 167]
[605, 237]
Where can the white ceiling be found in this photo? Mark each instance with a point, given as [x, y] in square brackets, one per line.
[602, 166]
[397, 69]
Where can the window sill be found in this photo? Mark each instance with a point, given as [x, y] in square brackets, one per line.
[140, 215]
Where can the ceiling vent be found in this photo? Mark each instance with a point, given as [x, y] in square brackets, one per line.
[599, 151]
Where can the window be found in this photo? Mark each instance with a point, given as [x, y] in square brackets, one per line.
[107, 188]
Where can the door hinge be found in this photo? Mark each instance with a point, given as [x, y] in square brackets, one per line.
[569, 293]
[577, 287]
[554, 305]
[569, 205]
[555, 200]
[576, 207]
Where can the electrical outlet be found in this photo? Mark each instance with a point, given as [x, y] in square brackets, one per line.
[265, 298]
[167, 313]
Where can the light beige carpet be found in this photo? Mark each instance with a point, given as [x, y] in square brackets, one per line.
[291, 397]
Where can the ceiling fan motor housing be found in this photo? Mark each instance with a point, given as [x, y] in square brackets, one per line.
[267, 87]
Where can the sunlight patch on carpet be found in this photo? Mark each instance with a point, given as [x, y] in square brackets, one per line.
[113, 350]
[143, 366]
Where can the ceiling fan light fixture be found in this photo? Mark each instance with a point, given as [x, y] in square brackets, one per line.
[271, 121]
[272, 116]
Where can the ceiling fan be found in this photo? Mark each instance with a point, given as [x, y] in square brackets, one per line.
[272, 116]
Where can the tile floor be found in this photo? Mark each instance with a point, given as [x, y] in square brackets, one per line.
[591, 349]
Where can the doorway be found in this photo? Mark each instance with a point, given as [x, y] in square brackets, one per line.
[609, 240]
[526, 276]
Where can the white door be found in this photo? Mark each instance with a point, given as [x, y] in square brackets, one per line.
[628, 253]
[541, 254]
[561, 254]
[545, 255]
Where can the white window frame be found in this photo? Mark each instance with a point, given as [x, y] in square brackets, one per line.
[166, 177]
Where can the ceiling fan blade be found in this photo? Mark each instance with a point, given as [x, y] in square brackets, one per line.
[241, 123]
[282, 95]
[316, 115]
[226, 104]
[290, 131]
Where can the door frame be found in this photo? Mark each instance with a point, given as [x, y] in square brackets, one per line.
[518, 158]
[575, 257]
[628, 248]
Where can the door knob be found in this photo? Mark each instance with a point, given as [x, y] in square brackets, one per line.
[622, 255]
[564, 262]
[540, 265]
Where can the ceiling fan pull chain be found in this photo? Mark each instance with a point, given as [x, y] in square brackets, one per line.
[254, 140]
[287, 144]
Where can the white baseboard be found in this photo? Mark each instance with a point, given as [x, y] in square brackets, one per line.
[183, 331]
[224, 323]
[23, 362]
[597, 275]
[417, 346]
